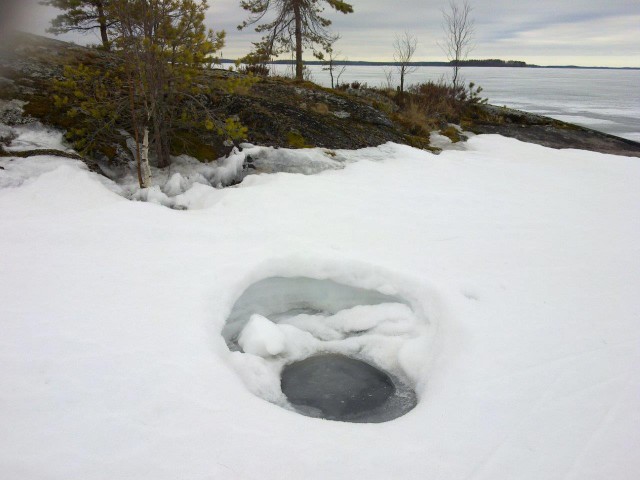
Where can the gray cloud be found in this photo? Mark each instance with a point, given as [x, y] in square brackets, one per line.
[588, 32]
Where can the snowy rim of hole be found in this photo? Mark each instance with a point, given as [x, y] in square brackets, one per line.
[413, 353]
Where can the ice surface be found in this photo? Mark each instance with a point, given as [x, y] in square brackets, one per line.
[520, 263]
[336, 387]
[583, 120]
[306, 161]
[585, 96]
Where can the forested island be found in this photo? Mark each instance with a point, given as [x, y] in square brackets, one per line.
[364, 63]
[492, 62]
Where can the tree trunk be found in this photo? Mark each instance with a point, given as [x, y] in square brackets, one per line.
[134, 123]
[102, 21]
[138, 156]
[161, 144]
[298, 17]
[144, 160]
[166, 148]
[331, 72]
[456, 67]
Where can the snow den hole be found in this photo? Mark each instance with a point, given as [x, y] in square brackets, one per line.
[325, 349]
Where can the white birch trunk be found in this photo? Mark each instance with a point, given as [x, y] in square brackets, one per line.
[144, 160]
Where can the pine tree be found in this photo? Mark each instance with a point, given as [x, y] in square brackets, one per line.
[297, 23]
[81, 16]
[165, 46]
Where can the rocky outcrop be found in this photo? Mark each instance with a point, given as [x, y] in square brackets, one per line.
[548, 132]
[282, 113]
[277, 111]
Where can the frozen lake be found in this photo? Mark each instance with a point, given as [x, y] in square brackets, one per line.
[605, 100]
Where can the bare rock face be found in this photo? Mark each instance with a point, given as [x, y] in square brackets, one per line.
[548, 132]
[28, 61]
[282, 113]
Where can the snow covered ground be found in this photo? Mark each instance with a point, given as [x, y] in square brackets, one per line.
[522, 262]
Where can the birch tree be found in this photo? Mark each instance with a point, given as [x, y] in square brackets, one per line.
[332, 63]
[294, 25]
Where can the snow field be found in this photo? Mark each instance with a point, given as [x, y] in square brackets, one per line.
[526, 261]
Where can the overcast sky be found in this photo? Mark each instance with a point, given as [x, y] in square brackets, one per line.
[545, 32]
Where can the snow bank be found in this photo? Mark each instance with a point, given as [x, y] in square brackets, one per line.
[47, 184]
[261, 337]
[181, 185]
[520, 263]
[33, 136]
[37, 136]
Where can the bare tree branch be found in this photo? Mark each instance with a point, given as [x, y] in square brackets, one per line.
[404, 48]
[459, 30]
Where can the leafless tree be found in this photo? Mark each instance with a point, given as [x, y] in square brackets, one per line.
[388, 79]
[404, 48]
[333, 64]
[458, 29]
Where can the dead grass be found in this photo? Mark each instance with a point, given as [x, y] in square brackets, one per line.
[451, 133]
[437, 100]
[414, 119]
[321, 108]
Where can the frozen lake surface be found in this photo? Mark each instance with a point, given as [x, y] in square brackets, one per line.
[605, 100]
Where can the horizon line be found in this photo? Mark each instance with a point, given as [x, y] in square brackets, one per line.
[383, 63]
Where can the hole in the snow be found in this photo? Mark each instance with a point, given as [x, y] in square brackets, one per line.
[336, 387]
[326, 349]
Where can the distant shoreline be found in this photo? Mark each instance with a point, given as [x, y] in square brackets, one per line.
[479, 64]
